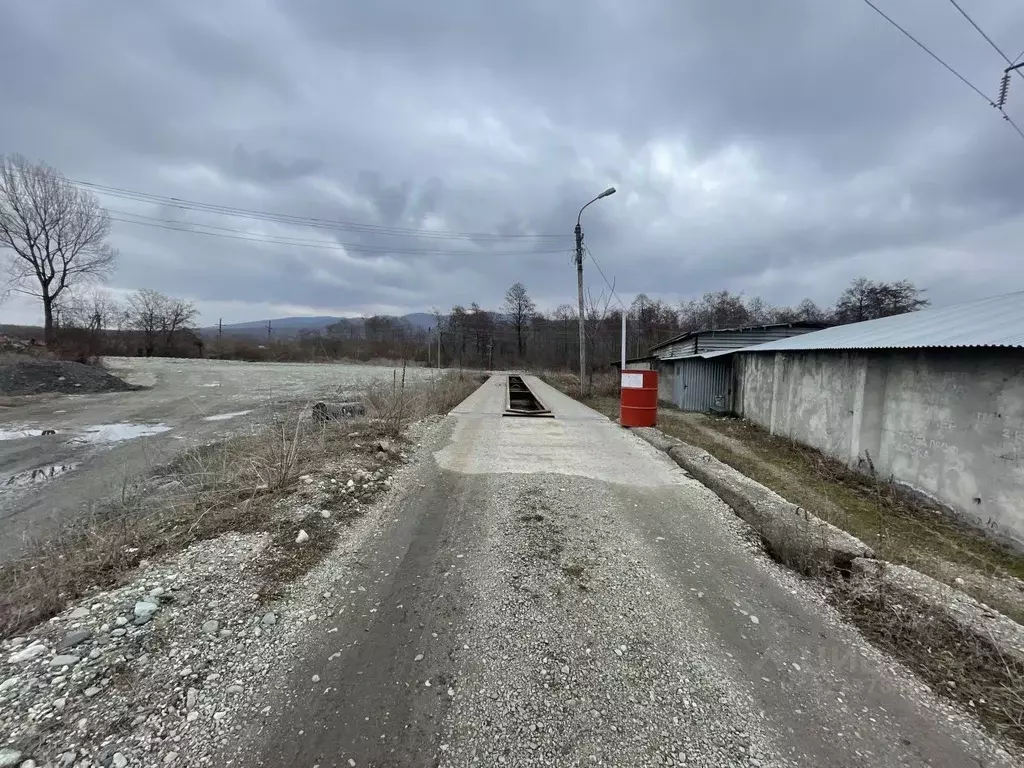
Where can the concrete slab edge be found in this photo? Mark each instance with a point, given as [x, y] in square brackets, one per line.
[972, 615]
[792, 534]
[814, 546]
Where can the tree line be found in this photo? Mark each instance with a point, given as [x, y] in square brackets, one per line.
[518, 335]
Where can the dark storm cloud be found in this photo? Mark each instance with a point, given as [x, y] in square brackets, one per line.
[780, 147]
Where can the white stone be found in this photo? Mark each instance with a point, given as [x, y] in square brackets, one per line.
[10, 682]
[64, 660]
[120, 621]
[119, 760]
[9, 756]
[34, 651]
[145, 609]
[210, 627]
[79, 613]
[302, 538]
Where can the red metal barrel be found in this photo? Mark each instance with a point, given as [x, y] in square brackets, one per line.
[638, 406]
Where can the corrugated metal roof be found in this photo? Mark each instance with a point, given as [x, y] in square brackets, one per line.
[717, 353]
[688, 334]
[994, 322]
[698, 355]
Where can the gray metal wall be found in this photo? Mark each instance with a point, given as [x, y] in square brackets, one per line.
[677, 349]
[712, 341]
[703, 385]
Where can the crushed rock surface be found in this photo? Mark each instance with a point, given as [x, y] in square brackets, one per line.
[164, 669]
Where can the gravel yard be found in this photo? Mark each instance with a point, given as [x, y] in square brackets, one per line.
[63, 453]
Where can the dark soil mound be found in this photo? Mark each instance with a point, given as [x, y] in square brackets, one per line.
[37, 376]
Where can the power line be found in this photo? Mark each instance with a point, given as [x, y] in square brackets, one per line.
[928, 50]
[950, 69]
[981, 32]
[235, 234]
[306, 221]
[601, 271]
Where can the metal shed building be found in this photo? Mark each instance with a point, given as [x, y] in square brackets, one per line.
[695, 370]
[933, 399]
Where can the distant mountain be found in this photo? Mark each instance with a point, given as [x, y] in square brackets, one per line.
[290, 327]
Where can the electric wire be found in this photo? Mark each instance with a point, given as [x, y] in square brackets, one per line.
[235, 234]
[305, 221]
[949, 68]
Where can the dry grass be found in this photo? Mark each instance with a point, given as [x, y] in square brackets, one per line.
[233, 485]
[393, 405]
[601, 385]
[952, 660]
[901, 527]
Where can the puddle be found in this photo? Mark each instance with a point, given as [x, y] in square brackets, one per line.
[115, 433]
[225, 416]
[34, 476]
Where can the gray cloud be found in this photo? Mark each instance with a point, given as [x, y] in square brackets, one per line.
[776, 148]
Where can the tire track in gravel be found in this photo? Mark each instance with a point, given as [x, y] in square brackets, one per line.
[576, 660]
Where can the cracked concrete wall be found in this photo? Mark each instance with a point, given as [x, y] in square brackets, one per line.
[946, 422]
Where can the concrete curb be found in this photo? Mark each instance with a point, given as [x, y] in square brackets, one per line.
[975, 617]
[813, 546]
[792, 534]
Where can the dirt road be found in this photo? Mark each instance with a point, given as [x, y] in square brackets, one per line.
[557, 592]
[102, 440]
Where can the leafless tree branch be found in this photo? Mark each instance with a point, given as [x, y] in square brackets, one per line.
[52, 232]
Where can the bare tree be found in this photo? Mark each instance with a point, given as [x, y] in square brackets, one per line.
[518, 308]
[157, 318]
[868, 300]
[56, 233]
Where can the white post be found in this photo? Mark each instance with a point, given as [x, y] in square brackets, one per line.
[623, 359]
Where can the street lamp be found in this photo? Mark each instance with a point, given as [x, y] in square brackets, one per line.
[579, 286]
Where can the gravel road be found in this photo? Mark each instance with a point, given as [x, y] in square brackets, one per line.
[102, 440]
[557, 592]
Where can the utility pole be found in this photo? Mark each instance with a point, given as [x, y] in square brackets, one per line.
[579, 289]
[220, 328]
[268, 330]
[439, 349]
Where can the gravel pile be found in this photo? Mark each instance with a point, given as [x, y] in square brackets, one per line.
[38, 376]
[580, 656]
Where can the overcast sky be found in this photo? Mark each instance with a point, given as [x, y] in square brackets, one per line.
[777, 148]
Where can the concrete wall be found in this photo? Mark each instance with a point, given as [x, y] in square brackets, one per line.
[949, 423]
